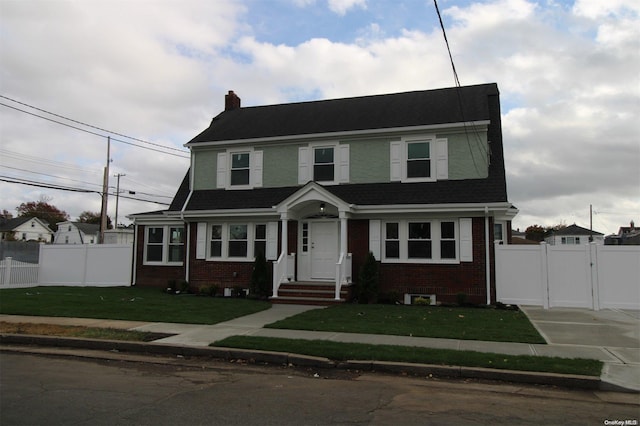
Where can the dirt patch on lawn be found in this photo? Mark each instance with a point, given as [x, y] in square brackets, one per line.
[79, 331]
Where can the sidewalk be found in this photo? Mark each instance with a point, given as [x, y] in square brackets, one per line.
[571, 333]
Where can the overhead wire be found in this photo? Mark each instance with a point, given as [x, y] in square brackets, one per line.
[460, 103]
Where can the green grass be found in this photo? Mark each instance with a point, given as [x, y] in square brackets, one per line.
[339, 351]
[124, 303]
[418, 321]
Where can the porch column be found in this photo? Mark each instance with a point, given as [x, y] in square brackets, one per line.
[284, 237]
[343, 233]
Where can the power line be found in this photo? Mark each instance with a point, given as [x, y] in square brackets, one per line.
[94, 133]
[28, 182]
[92, 126]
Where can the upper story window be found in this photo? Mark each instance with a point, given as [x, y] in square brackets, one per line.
[239, 169]
[324, 163]
[419, 159]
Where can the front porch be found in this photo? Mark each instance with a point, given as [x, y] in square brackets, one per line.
[311, 293]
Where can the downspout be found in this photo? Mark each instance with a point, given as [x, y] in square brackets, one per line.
[487, 254]
[134, 275]
[188, 242]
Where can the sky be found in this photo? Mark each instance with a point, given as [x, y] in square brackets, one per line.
[151, 74]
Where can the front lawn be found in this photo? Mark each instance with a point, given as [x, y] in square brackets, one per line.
[125, 303]
[418, 321]
[339, 351]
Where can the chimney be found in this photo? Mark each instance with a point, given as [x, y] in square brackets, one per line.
[231, 101]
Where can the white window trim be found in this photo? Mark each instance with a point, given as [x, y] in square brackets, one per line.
[225, 161]
[165, 245]
[438, 159]
[403, 234]
[306, 163]
[226, 237]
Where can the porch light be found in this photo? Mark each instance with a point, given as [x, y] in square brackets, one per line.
[322, 206]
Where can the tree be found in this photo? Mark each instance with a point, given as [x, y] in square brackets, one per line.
[535, 233]
[5, 215]
[260, 283]
[93, 217]
[44, 211]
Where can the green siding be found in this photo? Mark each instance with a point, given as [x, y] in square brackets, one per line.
[369, 161]
[204, 163]
[467, 155]
[280, 165]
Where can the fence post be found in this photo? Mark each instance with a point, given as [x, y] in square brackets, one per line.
[7, 270]
[595, 284]
[544, 275]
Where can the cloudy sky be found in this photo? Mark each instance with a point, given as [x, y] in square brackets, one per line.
[154, 72]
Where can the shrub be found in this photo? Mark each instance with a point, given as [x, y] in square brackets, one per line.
[367, 287]
[461, 298]
[260, 283]
[423, 301]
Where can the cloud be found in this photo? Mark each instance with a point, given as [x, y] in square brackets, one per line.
[341, 7]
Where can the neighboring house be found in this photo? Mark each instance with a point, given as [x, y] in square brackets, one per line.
[77, 233]
[520, 238]
[416, 178]
[627, 235]
[572, 235]
[118, 236]
[25, 229]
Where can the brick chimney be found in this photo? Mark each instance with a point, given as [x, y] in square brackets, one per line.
[231, 101]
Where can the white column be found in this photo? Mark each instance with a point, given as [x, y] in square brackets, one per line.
[284, 236]
[343, 233]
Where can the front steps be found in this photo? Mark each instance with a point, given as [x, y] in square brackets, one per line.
[310, 293]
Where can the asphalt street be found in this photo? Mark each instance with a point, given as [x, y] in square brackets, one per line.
[45, 390]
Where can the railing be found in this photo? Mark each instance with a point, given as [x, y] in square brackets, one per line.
[14, 273]
[283, 270]
[343, 272]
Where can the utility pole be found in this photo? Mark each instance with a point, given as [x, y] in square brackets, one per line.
[590, 223]
[117, 175]
[105, 193]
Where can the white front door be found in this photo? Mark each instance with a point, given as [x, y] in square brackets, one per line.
[324, 249]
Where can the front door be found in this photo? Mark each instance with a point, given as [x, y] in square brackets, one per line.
[324, 249]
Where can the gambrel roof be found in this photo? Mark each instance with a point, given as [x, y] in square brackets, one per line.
[408, 109]
[479, 103]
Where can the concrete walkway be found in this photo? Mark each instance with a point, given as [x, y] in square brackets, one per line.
[612, 336]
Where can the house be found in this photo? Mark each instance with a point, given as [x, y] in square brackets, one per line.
[416, 178]
[25, 229]
[572, 235]
[520, 238]
[627, 235]
[118, 236]
[77, 233]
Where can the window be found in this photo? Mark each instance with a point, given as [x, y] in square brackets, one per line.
[419, 243]
[447, 240]
[418, 160]
[392, 241]
[238, 241]
[323, 164]
[260, 240]
[305, 237]
[155, 239]
[240, 169]
[216, 241]
[176, 244]
[497, 232]
[571, 240]
[164, 244]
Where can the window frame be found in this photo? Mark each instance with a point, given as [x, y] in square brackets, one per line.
[165, 245]
[314, 164]
[435, 240]
[225, 240]
[246, 168]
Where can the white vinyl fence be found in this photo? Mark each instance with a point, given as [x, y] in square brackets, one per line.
[101, 265]
[590, 276]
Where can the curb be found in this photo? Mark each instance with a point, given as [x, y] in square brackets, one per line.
[282, 358]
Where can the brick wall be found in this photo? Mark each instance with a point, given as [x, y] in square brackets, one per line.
[153, 275]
